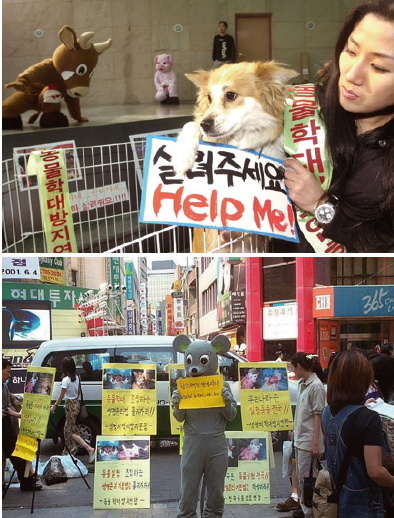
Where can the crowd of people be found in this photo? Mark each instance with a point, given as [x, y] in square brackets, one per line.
[336, 426]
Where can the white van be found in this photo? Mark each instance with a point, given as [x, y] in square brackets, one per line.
[89, 355]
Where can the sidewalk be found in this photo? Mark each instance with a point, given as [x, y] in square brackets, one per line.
[73, 499]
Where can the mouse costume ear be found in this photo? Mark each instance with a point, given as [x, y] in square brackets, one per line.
[181, 343]
[221, 344]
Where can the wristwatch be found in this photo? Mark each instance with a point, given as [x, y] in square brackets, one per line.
[325, 212]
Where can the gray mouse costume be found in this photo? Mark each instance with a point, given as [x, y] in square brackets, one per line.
[205, 444]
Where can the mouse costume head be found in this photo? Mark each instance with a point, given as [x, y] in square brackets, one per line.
[201, 356]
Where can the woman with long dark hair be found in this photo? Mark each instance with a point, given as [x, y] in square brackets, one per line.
[71, 388]
[354, 432]
[355, 93]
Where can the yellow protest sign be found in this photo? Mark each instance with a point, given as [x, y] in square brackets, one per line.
[265, 397]
[49, 166]
[37, 401]
[201, 392]
[248, 473]
[129, 399]
[176, 371]
[122, 473]
[25, 448]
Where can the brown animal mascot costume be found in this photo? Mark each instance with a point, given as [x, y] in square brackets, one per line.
[205, 451]
[42, 86]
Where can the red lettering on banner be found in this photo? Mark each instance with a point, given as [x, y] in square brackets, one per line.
[276, 218]
[195, 200]
[54, 165]
[225, 216]
[214, 205]
[158, 197]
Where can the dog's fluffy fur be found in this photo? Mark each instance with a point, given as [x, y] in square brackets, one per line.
[241, 105]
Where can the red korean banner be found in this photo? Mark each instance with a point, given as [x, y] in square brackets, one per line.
[49, 165]
[227, 188]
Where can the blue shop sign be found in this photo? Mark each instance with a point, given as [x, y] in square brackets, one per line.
[367, 301]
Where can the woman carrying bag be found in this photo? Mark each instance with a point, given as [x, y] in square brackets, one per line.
[71, 388]
[349, 426]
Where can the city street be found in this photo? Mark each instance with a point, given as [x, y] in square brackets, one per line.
[73, 499]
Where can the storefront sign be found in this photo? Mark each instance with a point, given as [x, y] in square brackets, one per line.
[20, 268]
[280, 322]
[61, 297]
[354, 301]
[52, 270]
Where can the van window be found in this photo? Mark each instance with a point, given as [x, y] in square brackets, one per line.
[228, 367]
[89, 364]
[159, 357]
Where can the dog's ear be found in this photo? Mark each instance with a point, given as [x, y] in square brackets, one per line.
[199, 78]
[284, 74]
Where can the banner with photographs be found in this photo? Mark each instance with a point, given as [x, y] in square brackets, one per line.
[129, 399]
[122, 472]
[248, 473]
[265, 397]
[176, 371]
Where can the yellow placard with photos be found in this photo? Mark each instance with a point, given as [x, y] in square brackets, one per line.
[129, 399]
[176, 371]
[37, 401]
[201, 392]
[122, 472]
[265, 396]
[248, 473]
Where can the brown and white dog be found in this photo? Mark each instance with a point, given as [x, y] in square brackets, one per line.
[241, 105]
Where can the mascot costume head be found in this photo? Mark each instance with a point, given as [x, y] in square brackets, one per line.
[42, 86]
[205, 450]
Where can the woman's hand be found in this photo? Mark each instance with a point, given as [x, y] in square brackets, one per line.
[304, 190]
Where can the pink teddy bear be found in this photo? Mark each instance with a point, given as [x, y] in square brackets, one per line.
[165, 80]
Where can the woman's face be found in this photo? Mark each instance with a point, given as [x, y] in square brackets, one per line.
[366, 83]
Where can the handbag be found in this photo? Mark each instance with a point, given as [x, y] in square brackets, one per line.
[83, 412]
[309, 484]
[15, 402]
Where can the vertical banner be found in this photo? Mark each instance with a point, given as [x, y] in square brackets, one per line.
[49, 165]
[114, 276]
[129, 399]
[35, 409]
[129, 273]
[122, 473]
[176, 371]
[248, 474]
[265, 397]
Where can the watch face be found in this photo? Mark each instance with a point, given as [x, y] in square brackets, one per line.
[325, 213]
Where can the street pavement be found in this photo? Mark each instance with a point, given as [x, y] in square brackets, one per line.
[73, 499]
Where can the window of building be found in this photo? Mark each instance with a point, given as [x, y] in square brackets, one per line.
[279, 279]
[209, 299]
[347, 271]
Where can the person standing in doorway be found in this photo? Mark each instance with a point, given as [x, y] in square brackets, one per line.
[223, 47]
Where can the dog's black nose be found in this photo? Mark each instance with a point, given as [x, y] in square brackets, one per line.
[206, 124]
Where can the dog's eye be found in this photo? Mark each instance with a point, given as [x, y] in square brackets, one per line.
[231, 96]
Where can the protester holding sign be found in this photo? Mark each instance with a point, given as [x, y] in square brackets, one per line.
[9, 435]
[355, 93]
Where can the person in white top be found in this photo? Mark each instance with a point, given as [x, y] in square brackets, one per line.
[70, 391]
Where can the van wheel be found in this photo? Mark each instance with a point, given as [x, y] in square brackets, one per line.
[89, 429]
